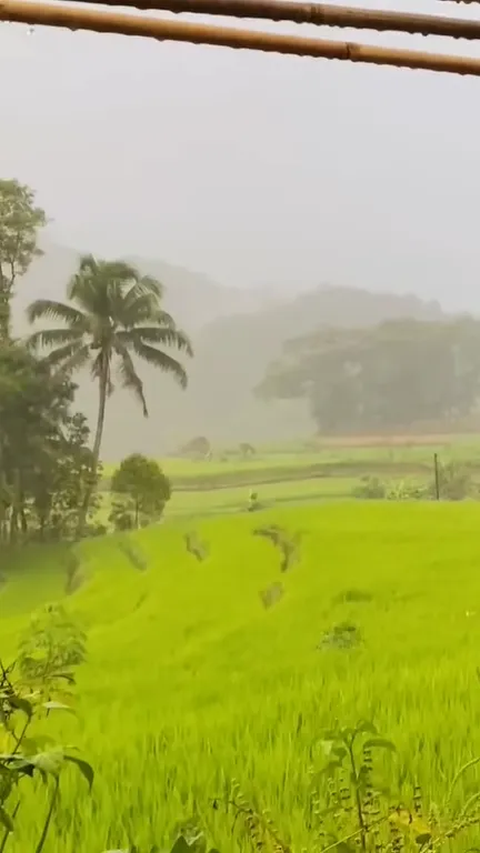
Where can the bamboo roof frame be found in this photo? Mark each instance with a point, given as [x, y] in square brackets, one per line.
[81, 16]
[319, 14]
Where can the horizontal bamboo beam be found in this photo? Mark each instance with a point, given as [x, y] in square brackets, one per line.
[319, 14]
[78, 18]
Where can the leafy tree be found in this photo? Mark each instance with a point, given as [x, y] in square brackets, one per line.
[383, 378]
[145, 490]
[114, 314]
[33, 404]
[20, 222]
[45, 462]
[62, 478]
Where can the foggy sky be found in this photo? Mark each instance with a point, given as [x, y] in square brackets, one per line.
[252, 168]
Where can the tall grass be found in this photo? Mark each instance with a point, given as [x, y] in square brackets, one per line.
[190, 681]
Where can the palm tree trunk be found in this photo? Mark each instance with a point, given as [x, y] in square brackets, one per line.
[102, 403]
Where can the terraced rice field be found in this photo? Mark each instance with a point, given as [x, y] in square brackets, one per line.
[190, 681]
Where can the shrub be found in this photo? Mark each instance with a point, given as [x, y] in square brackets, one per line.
[455, 482]
[406, 490]
[370, 488]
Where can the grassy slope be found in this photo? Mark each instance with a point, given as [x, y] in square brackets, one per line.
[190, 682]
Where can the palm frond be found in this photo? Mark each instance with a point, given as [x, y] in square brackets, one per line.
[43, 309]
[99, 286]
[129, 376]
[162, 361]
[144, 286]
[69, 357]
[48, 338]
[138, 308]
[168, 336]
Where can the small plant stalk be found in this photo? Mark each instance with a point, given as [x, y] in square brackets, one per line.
[48, 819]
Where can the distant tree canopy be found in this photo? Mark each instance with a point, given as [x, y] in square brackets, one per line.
[196, 447]
[386, 377]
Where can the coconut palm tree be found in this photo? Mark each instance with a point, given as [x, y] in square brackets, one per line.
[113, 315]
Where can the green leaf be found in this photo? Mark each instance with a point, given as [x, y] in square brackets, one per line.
[58, 706]
[459, 774]
[85, 768]
[34, 745]
[340, 752]
[6, 820]
[17, 764]
[381, 743]
[48, 762]
[22, 705]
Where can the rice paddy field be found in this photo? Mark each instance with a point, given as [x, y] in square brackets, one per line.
[299, 473]
[190, 681]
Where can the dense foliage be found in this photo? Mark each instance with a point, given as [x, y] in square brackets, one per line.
[388, 377]
[45, 462]
[20, 222]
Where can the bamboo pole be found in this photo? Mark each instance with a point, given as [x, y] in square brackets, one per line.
[78, 18]
[319, 14]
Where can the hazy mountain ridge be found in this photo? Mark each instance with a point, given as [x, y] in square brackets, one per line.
[193, 298]
[236, 334]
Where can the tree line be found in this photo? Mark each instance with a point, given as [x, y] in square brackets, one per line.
[386, 377]
[111, 319]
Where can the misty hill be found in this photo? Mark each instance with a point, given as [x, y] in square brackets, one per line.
[235, 336]
[194, 299]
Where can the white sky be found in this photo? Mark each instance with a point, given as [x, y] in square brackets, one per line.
[252, 168]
